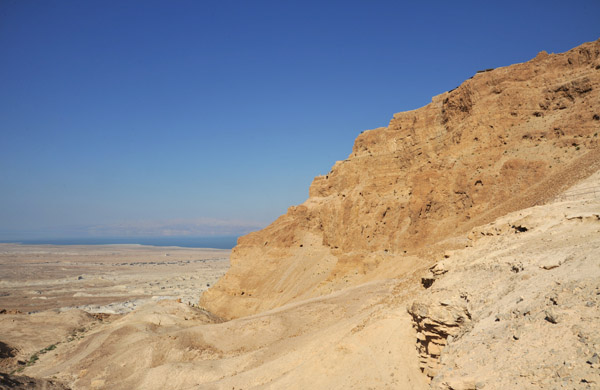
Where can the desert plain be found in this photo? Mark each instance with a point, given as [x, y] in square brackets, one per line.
[50, 293]
[104, 278]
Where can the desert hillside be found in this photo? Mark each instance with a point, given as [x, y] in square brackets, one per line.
[456, 249]
[517, 308]
[506, 139]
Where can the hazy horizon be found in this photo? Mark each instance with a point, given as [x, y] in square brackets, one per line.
[201, 228]
[204, 119]
[216, 242]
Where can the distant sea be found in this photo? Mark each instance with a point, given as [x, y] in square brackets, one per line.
[226, 242]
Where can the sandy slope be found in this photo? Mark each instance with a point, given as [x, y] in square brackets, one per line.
[519, 307]
[351, 339]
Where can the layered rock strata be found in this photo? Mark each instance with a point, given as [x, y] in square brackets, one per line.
[504, 140]
[435, 322]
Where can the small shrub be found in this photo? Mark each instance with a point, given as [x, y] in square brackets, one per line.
[34, 358]
[48, 348]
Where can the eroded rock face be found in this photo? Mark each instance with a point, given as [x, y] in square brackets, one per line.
[504, 140]
[532, 299]
[435, 322]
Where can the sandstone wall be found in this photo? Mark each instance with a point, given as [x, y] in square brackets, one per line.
[506, 139]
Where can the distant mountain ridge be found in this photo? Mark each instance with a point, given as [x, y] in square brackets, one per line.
[504, 140]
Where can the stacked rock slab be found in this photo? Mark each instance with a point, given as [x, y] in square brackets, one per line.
[435, 322]
[505, 139]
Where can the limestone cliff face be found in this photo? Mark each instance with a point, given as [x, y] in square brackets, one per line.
[504, 140]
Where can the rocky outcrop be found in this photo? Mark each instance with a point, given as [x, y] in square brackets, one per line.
[520, 306]
[504, 140]
[435, 322]
[19, 382]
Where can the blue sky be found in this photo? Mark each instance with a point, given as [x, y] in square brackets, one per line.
[199, 118]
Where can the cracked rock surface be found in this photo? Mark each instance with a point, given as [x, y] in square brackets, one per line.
[533, 298]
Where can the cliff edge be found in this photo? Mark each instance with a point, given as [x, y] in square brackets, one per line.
[504, 140]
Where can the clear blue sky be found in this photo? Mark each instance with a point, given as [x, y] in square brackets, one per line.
[198, 117]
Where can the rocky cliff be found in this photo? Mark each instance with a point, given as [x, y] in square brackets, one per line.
[506, 139]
